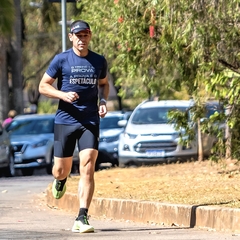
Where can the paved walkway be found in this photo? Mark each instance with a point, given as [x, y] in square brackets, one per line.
[25, 214]
[215, 218]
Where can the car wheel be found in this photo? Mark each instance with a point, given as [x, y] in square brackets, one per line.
[9, 171]
[27, 171]
[97, 164]
[50, 166]
[97, 167]
[115, 163]
[75, 168]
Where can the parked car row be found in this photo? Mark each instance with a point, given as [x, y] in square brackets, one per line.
[141, 136]
[27, 143]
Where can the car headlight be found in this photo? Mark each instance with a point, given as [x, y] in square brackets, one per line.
[130, 136]
[109, 139]
[175, 135]
[40, 144]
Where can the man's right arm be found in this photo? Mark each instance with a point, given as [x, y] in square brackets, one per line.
[46, 88]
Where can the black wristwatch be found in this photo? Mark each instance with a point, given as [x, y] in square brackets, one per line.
[103, 100]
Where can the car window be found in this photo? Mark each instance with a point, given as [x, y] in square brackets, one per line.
[156, 115]
[31, 126]
[110, 122]
[212, 108]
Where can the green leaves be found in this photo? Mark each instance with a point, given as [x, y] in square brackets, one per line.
[192, 51]
[7, 16]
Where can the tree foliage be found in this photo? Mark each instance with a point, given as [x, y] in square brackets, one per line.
[169, 49]
[43, 40]
[160, 48]
[6, 29]
[6, 17]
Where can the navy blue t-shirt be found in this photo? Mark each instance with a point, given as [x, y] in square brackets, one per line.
[80, 75]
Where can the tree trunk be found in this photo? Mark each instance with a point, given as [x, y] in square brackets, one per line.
[228, 136]
[200, 146]
[228, 143]
[16, 61]
[4, 91]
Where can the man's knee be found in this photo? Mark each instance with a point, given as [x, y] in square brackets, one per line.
[61, 168]
[88, 157]
[87, 167]
[59, 173]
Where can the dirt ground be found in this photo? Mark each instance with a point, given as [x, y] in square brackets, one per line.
[204, 183]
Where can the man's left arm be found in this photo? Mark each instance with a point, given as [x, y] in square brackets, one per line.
[103, 96]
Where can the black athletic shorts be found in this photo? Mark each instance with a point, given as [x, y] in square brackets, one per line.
[66, 136]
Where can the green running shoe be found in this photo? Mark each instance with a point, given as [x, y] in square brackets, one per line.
[82, 226]
[58, 188]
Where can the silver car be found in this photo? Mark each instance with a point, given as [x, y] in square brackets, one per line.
[32, 139]
[149, 138]
[6, 154]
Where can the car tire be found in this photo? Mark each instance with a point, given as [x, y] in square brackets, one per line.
[27, 171]
[9, 171]
[97, 167]
[50, 166]
[115, 163]
[75, 168]
[49, 169]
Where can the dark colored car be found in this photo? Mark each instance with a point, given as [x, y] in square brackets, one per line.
[109, 135]
[6, 154]
[32, 139]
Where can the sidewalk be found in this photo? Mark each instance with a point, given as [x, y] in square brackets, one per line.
[205, 217]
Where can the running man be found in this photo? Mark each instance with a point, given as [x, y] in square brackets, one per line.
[82, 90]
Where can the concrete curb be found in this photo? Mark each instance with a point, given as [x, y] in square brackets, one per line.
[216, 218]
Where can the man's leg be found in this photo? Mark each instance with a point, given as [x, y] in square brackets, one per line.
[86, 189]
[60, 171]
[64, 144]
[86, 184]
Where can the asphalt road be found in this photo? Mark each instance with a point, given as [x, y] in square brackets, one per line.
[25, 215]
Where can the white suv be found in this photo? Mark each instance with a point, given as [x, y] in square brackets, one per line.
[149, 138]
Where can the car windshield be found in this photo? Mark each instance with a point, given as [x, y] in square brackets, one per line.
[31, 126]
[110, 122]
[156, 115]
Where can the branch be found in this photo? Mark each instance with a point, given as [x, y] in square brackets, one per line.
[225, 64]
[41, 68]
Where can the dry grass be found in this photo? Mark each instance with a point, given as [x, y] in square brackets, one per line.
[200, 183]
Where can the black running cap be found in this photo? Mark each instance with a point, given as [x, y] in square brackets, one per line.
[79, 26]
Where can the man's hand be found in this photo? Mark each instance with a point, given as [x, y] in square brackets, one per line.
[70, 97]
[102, 109]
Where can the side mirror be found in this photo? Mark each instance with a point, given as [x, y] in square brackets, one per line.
[122, 123]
